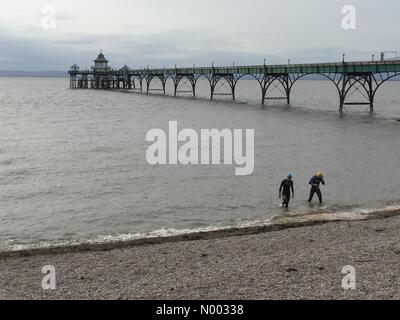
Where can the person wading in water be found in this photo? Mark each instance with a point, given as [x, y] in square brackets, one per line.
[284, 191]
[315, 183]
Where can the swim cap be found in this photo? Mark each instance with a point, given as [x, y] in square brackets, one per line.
[290, 176]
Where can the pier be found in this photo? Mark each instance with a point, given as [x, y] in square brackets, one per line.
[365, 77]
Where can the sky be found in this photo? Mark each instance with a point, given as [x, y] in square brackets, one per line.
[38, 35]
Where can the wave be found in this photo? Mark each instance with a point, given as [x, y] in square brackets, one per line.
[321, 215]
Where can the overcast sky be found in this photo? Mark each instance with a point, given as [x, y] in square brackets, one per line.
[187, 32]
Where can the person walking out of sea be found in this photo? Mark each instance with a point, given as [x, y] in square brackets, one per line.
[315, 183]
[284, 191]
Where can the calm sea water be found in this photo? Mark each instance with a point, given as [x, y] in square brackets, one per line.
[73, 167]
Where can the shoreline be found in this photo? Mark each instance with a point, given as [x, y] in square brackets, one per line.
[295, 261]
[282, 223]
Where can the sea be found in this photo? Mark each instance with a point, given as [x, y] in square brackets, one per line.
[73, 163]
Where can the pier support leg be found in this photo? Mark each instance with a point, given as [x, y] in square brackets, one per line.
[287, 88]
[176, 84]
[262, 97]
[213, 83]
[342, 95]
[371, 93]
[140, 80]
[148, 81]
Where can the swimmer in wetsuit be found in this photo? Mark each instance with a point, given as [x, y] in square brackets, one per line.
[284, 191]
[315, 183]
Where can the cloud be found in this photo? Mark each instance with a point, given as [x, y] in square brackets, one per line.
[183, 48]
[187, 32]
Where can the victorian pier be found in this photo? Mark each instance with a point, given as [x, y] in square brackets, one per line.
[366, 77]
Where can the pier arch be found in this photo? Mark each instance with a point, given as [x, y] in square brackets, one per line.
[222, 84]
[251, 82]
[203, 88]
[158, 81]
[329, 84]
[185, 84]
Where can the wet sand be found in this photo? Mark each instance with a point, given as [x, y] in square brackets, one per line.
[299, 260]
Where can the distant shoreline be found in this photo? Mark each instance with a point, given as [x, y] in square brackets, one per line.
[34, 74]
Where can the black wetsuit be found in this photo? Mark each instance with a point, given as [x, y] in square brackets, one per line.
[315, 183]
[284, 190]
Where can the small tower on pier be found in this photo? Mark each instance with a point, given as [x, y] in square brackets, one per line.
[75, 68]
[101, 63]
[101, 70]
[73, 78]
